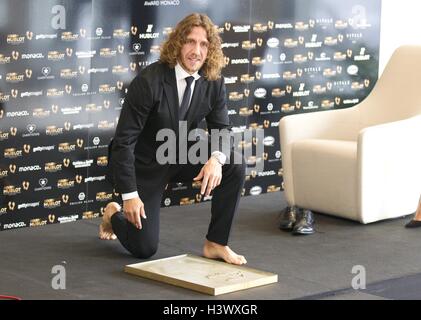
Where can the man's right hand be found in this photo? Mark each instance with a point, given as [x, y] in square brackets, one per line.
[133, 210]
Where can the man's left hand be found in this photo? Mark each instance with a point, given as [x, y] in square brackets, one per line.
[211, 176]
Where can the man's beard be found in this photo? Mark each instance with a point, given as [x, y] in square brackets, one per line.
[188, 69]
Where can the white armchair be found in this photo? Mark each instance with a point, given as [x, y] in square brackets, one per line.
[362, 163]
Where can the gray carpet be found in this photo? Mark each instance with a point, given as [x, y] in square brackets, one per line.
[317, 266]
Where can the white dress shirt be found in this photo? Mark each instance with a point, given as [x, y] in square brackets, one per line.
[180, 75]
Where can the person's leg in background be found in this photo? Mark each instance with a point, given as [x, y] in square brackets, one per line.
[416, 221]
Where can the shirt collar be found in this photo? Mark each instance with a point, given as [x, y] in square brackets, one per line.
[180, 73]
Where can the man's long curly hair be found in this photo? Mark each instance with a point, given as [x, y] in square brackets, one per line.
[171, 48]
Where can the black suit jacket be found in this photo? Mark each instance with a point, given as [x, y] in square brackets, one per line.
[152, 104]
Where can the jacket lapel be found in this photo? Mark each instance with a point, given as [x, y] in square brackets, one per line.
[170, 89]
[195, 100]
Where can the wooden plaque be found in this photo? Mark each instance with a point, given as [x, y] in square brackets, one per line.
[201, 274]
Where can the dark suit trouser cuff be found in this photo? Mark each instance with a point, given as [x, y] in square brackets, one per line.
[225, 202]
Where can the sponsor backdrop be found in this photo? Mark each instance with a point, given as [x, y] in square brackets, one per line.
[65, 67]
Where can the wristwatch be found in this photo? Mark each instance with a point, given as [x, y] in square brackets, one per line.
[220, 157]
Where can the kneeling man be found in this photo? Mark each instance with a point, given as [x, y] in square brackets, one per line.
[184, 85]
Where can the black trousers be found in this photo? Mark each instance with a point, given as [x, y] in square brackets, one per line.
[143, 243]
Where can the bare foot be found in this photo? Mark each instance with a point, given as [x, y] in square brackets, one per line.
[418, 213]
[105, 228]
[213, 250]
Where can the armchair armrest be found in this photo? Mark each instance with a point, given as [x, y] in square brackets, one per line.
[340, 124]
[389, 165]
